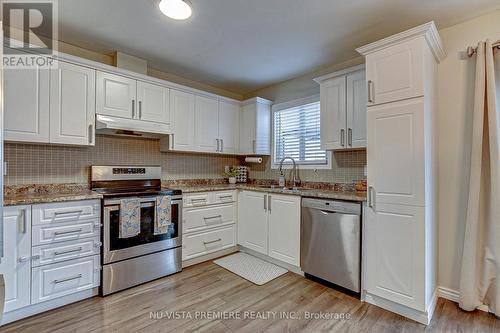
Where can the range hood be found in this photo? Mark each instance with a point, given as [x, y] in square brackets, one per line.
[130, 127]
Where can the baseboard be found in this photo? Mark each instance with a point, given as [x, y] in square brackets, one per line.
[418, 316]
[454, 296]
[210, 256]
[277, 262]
[48, 305]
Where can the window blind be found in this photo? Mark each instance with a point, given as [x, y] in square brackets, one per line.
[297, 134]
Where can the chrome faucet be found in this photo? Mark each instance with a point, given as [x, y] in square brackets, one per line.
[295, 177]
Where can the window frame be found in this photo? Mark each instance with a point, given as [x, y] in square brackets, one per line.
[288, 164]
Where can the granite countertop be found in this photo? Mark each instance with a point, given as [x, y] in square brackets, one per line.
[303, 192]
[28, 195]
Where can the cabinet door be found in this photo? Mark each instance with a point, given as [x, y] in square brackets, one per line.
[182, 109]
[263, 129]
[72, 105]
[116, 95]
[356, 110]
[206, 124]
[153, 102]
[396, 152]
[248, 120]
[252, 221]
[26, 105]
[396, 72]
[333, 113]
[395, 254]
[229, 127]
[284, 228]
[15, 265]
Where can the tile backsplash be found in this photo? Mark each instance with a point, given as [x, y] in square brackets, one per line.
[45, 164]
[52, 164]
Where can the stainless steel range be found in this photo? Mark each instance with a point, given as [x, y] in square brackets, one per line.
[131, 261]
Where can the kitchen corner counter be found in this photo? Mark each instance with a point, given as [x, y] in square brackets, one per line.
[37, 194]
[303, 192]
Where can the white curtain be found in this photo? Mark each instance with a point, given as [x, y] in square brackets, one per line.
[480, 275]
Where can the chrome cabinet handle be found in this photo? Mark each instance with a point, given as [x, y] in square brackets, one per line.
[218, 145]
[68, 279]
[349, 137]
[91, 134]
[140, 109]
[269, 203]
[222, 197]
[254, 146]
[98, 244]
[221, 145]
[214, 241]
[213, 217]
[133, 108]
[342, 137]
[22, 222]
[173, 146]
[370, 196]
[370, 91]
[76, 211]
[57, 253]
[265, 202]
[67, 232]
[23, 259]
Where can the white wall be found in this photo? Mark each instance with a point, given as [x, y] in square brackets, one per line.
[456, 86]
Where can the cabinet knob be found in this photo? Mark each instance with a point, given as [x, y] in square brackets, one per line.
[23, 259]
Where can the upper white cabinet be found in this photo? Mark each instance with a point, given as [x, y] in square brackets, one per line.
[26, 105]
[116, 95]
[270, 224]
[343, 109]
[400, 219]
[229, 127]
[153, 103]
[206, 124]
[183, 114]
[16, 264]
[255, 127]
[72, 105]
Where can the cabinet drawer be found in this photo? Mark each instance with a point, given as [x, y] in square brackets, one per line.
[46, 234]
[57, 280]
[196, 199]
[196, 245]
[224, 197]
[66, 212]
[53, 253]
[197, 219]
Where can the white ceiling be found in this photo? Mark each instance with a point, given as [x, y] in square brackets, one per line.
[244, 45]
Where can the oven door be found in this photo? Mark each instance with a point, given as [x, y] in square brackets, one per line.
[117, 249]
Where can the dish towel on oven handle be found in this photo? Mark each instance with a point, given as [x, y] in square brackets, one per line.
[130, 218]
[163, 214]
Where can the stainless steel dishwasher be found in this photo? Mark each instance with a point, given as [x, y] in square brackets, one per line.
[330, 242]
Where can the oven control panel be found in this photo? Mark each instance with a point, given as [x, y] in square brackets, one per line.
[129, 171]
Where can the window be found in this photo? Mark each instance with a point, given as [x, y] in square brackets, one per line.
[297, 135]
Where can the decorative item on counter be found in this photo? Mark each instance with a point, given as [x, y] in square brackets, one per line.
[231, 174]
[242, 174]
[361, 185]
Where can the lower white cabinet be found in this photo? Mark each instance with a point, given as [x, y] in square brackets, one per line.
[57, 280]
[270, 224]
[15, 265]
[215, 239]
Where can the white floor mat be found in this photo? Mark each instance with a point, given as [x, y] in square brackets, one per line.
[251, 268]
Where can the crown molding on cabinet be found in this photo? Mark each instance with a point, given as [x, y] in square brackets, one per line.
[259, 100]
[427, 30]
[345, 71]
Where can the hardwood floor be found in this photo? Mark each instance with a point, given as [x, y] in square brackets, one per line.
[207, 287]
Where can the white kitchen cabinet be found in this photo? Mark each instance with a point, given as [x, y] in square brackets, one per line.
[182, 108]
[72, 105]
[270, 224]
[253, 226]
[284, 228]
[229, 127]
[153, 102]
[396, 158]
[116, 95]
[255, 127]
[206, 124]
[26, 105]
[395, 244]
[15, 265]
[400, 221]
[343, 109]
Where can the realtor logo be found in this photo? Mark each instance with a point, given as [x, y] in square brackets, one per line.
[30, 33]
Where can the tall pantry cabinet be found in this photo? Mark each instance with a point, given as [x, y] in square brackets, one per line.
[400, 226]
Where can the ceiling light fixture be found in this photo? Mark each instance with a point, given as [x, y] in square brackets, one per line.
[176, 9]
